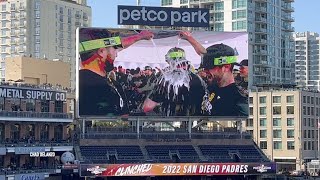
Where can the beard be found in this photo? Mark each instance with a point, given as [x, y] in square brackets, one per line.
[108, 66]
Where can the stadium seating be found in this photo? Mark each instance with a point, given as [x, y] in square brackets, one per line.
[232, 153]
[173, 153]
[185, 153]
[96, 154]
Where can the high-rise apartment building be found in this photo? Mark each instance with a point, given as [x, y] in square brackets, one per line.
[284, 124]
[268, 23]
[42, 29]
[307, 59]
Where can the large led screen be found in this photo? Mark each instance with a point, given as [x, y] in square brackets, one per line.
[126, 72]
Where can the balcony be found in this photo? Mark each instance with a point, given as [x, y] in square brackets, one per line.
[22, 8]
[260, 52]
[14, 42]
[261, 31]
[260, 62]
[21, 50]
[288, 19]
[13, 9]
[288, 29]
[23, 24]
[288, 1]
[287, 8]
[261, 20]
[13, 17]
[261, 41]
[35, 116]
[261, 9]
[22, 16]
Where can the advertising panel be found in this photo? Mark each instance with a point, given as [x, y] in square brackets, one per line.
[177, 169]
[162, 73]
[28, 93]
[163, 16]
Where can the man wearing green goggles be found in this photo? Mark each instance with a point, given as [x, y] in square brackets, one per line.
[98, 48]
[225, 97]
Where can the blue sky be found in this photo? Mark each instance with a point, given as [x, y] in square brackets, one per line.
[104, 13]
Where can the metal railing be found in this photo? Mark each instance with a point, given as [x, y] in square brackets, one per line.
[36, 144]
[165, 136]
[27, 114]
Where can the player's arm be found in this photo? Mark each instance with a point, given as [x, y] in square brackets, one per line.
[196, 45]
[143, 35]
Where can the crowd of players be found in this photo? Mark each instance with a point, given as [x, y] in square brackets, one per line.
[214, 89]
[138, 83]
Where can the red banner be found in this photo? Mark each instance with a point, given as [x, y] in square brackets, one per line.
[176, 169]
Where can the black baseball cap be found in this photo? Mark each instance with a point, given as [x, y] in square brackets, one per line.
[244, 62]
[147, 68]
[218, 55]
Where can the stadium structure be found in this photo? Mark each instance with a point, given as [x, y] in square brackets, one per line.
[41, 140]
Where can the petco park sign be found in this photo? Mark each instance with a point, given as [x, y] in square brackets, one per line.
[163, 16]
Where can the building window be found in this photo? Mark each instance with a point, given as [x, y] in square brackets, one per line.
[218, 16]
[304, 109]
[218, 27]
[218, 6]
[30, 130]
[290, 145]
[251, 110]
[304, 99]
[37, 5]
[263, 133]
[58, 132]
[312, 100]
[239, 25]
[45, 106]
[263, 145]
[166, 2]
[290, 99]
[249, 122]
[240, 14]
[58, 107]
[308, 99]
[263, 122]
[2, 133]
[276, 110]
[16, 104]
[290, 133]
[277, 133]
[276, 99]
[15, 132]
[276, 122]
[239, 4]
[262, 99]
[305, 145]
[277, 145]
[290, 110]
[30, 105]
[290, 121]
[1, 104]
[251, 100]
[263, 110]
[44, 133]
